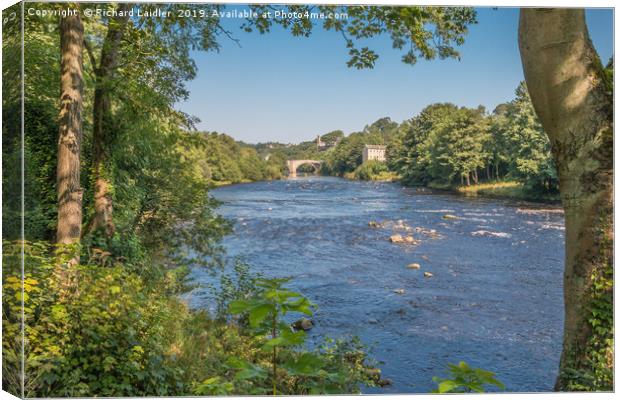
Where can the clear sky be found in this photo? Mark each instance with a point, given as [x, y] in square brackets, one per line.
[277, 87]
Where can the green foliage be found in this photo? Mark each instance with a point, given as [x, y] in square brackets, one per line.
[264, 312]
[330, 369]
[424, 32]
[41, 72]
[107, 336]
[527, 150]
[465, 379]
[371, 170]
[233, 286]
[224, 160]
[595, 372]
[122, 333]
[445, 146]
[347, 155]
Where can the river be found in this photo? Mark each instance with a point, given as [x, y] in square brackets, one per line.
[494, 300]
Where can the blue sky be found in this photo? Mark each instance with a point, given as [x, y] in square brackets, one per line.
[277, 87]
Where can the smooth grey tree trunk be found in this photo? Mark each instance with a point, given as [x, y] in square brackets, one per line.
[573, 99]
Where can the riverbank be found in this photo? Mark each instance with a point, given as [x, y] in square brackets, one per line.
[502, 190]
[506, 190]
[228, 183]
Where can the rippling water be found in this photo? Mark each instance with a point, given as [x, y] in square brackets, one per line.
[494, 300]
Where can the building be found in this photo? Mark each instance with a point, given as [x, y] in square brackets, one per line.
[373, 152]
[321, 145]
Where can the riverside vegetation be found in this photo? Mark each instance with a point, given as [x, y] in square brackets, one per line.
[117, 211]
[503, 153]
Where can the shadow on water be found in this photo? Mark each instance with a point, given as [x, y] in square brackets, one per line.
[494, 300]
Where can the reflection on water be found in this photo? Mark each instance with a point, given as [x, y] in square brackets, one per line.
[494, 300]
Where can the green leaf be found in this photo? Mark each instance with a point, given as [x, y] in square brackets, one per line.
[271, 343]
[446, 386]
[239, 306]
[307, 364]
[259, 313]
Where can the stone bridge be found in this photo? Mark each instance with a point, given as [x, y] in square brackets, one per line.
[292, 166]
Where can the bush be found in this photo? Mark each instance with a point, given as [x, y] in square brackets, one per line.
[465, 379]
[108, 335]
[111, 331]
[371, 170]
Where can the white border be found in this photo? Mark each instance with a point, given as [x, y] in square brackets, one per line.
[478, 3]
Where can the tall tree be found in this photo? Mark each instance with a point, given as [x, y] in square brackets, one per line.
[70, 133]
[108, 61]
[573, 98]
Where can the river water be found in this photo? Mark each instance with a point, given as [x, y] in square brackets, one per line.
[494, 300]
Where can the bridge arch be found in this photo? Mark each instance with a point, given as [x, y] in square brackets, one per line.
[292, 166]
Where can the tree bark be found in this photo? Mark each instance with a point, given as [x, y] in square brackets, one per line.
[573, 100]
[102, 218]
[70, 133]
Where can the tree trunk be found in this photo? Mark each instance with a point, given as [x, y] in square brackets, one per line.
[70, 132]
[573, 100]
[101, 122]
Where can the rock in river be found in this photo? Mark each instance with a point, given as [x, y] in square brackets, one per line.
[413, 266]
[399, 291]
[400, 239]
[492, 234]
[428, 274]
[397, 239]
[303, 323]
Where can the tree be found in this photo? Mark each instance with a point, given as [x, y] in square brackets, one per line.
[108, 61]
[522, 143]
[142, 62]
[572, 95]
[70, 132]
[426, 32]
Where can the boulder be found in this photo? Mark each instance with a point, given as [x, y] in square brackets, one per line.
[374, 224]
[428, 274]
[397, 239]
[399, 291]
[492, 234]
[450, 216]
[303, 324]
[384, 382]
[413, 266]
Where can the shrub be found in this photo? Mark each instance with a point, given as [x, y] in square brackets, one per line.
[371, 170]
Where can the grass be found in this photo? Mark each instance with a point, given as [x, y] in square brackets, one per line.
[384, 176]
[508, 189]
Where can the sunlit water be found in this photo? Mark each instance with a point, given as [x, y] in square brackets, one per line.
[493, 301]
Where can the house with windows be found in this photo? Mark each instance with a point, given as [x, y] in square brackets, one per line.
[373, 152]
